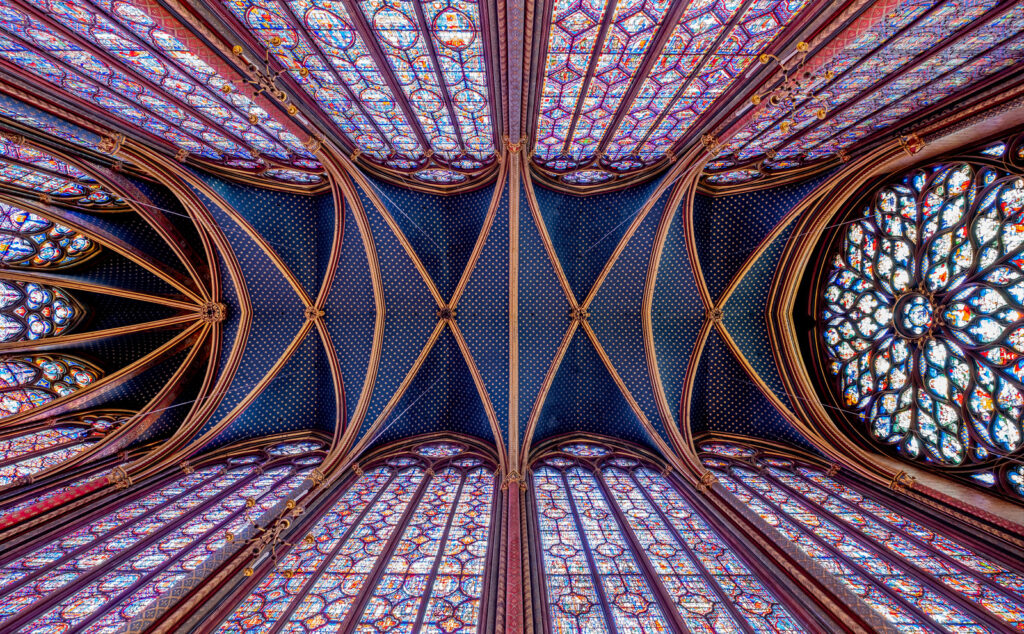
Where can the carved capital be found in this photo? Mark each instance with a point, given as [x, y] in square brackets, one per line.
[706, 480]
[902, 481]
[317, 476]
[513, 148]
[710, 143]
[843, 155]
[45, 199]
[911, 144]
[182, 155]
[111, 144]
[313, 144]
[832, 470]
[213, 312]
[187, 467]
[120, 478]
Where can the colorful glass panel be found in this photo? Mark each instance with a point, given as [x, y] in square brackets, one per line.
[31, 241]
[30, 311]
[439, 450]
[897, 48]
[939, 383]
[584, 450]
[31, 453]
[844, 529]
[103, 573]
[28, 168]
[27, 382]
[436, 529]
[653, 557]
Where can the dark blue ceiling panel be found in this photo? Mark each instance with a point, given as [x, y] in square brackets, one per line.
[409, 309]
[278, 313]
[350, 313]
[586, 229]
[441, 229]
[729, 228]
[288, 223]
[725, 399]
[744, 315]
[543, 312]
[442, 397]
[676, 314]
[616, 315]
[297, 398]
[483, 313]
[584, 398]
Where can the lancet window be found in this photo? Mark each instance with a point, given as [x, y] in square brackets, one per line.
[106, 565]
[407, 544]
[915, 576]
[31, 241]
[623, 549]
[29, 381]
[31, 311]
[26, 453]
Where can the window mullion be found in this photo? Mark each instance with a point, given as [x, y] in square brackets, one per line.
[56, 596]
[595, 573]
[671, 609]
[931, 550]
[198, 541]
[878, 584]
[370, 584]
[286, 614]
[730, 607]
[936, 585]
[440, 553]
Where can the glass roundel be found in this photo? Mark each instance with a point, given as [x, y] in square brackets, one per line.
[923, 314]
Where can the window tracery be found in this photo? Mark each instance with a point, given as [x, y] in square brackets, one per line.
[623, 550]
[31, 311]
[31, 241]
[28, 168]
[913, 576]
[110, 564]
[27, 382]
[923, 312]
[405, 545]
[24, 454]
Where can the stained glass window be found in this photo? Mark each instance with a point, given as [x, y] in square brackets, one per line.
[30, 381]
[595, 53]
[913, 576]
[35, 311]
[907, 51]
[921, 311]
[28, 168]
[427, 54]
[111, 563]
[29, 453]
[622, 549]
[405, 546]
[31, 241]
[117, 56]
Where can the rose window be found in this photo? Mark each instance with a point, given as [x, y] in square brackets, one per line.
[923, 318]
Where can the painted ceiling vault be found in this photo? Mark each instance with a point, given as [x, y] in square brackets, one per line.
[380, 218]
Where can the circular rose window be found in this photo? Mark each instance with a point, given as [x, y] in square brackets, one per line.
[923, 317]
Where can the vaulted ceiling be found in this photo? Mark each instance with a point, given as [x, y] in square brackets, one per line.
[482, 217]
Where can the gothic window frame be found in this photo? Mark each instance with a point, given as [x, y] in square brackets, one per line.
[252, 458]
[1003, 152]
[405, 453]
[617, 450]
[760, 458]
[9, 313]
[43, 231]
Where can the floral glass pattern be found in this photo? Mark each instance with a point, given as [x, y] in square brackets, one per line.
[31, 311]
[437, 527]
[623, 549]
[923, 320]
[114, 562]
[27, 382]
[913, 576]
[119, 57]
[31, 241]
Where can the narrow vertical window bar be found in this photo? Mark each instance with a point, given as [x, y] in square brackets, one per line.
[418, 621]
[671, 608]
